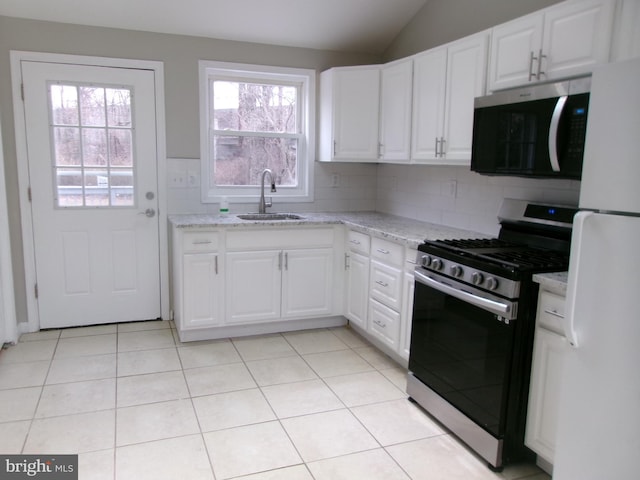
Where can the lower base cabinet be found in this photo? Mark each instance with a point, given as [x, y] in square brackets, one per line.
[549, 353]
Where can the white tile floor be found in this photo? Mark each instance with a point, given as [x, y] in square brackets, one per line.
[137, 404]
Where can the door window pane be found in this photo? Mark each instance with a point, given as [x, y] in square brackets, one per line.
[91, 127]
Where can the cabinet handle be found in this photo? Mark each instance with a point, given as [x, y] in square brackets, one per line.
[380, 150]
[346, 261]
[532, 58]
[540, 72]
[335, 147]
[383, 251]
[380, 324]
[280, 261]
[442, 142]
[382, 284]
[437, 142]
[216, 265]
[355, 242]
[553, 313]
[286, 261]
[202, 242]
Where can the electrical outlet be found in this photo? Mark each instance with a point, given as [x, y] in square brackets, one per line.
[335, 180]
[193, 178]
[177, 179]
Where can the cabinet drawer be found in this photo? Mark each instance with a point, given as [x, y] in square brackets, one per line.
[384, 323]
[200, 242]
[389, 252]
[386, 285]
[278, 238]
[551, 311]
[358, 242]
[410, 259]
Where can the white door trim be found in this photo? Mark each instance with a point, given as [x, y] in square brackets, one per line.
[9, 328]
[23, 168]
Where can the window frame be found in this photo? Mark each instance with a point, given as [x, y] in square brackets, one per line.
[306, 78]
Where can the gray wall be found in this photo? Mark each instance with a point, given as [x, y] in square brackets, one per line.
[180, 55]
[442, 21]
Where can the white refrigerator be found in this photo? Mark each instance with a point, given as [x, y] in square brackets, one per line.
[599, 407]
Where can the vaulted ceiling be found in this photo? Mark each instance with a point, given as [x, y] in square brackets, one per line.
[366, 26]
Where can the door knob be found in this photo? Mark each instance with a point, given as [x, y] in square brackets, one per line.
[149, 212]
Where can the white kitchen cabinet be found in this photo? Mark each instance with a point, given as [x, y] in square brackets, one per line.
[253, 281]
[626, 31]
[406, 313]
[199, 288]
[357, 278]
[395, 111]
[307, 282]
[561, 41]
[445, 82]
[202, 291]
[549, 355]
[275, 275]
[349, 114]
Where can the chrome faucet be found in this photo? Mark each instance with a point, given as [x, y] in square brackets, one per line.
[262, 206]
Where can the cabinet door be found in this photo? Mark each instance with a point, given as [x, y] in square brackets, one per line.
[512, 46]
[429, 83]
[384, 323]
[253, 284]
[626, 31]
[356, 101]
[395, 111]
[466, 73]
[386, 285]
[202, 291]
[406, 315]
[357, 289]
[549, 353]
[577, 36]
[307, 283]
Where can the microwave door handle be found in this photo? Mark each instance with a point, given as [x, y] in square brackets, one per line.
[553, 133]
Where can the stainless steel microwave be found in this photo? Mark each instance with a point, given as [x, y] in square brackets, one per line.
[537, 131]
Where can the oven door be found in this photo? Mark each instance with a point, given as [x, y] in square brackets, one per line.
[462, 343]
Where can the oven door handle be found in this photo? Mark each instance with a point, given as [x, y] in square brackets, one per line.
[502, 309]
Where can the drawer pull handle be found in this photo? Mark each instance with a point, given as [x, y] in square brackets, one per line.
[380, 324]
[202, 242]
[553, 313]
[383, 251]
[381, 283]
[356, 242]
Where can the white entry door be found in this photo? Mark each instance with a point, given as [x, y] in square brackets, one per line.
[91, 140]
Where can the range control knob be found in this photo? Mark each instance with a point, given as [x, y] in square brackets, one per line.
[456, 271]
[425, 260]
[477, 278]
[492, 283]
[436, 264]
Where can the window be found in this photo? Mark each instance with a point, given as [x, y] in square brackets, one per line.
[91, 132]
[256, 117]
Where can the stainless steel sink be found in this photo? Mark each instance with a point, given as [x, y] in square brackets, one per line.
[269, 216]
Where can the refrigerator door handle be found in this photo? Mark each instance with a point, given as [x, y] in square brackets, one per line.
[553, 133]
[568, 322]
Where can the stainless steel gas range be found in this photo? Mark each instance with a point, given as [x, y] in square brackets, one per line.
[473, 323]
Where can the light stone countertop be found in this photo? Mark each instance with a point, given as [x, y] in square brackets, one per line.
[399, 229]
[553, 282]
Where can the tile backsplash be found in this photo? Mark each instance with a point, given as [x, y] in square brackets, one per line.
[452, 196]
[457, 197]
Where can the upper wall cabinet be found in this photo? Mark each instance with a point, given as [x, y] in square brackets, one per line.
[395, 111]
[445, 82]
[349, 113]
[626, 36]
[564, 40]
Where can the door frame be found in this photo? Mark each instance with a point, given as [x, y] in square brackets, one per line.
[33, 320]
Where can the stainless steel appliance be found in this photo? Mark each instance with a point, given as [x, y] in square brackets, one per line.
[536, 131]
[473, 323]
[599, 407]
